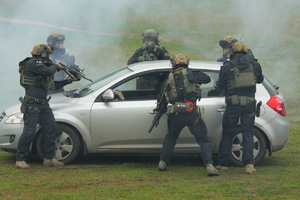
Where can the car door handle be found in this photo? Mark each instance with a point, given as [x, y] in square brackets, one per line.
[221, 110]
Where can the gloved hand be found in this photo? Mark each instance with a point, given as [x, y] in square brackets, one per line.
[141, 59]
[77, 77]
[119, 94]
[156, 110]
[59, 66]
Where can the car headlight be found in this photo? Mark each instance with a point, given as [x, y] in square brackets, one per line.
[16, 118]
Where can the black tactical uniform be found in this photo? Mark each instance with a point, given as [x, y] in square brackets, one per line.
[182, 90]
[240, 103]
[60, 55]
[158, 53]
[36, 74]
[151, 49]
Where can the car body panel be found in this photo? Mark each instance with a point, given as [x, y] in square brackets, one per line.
[121, 126]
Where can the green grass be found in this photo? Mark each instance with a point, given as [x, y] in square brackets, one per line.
[193, 28]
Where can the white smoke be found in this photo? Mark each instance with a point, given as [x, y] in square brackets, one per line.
[95, 32]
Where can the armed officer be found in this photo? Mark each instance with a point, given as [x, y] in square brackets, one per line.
[226, 44]
[55, 40]
[181, 90]
[151, 49]
[238, 77]
[36, 76]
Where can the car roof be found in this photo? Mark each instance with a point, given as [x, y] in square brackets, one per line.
[165, 64]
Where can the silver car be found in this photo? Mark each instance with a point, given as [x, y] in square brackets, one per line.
[91, 120]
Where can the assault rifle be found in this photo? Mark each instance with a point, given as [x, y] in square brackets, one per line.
[149, 57]
[162, 108]
[155, 121]
[72, 72]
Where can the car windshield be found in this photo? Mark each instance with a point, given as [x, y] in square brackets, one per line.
[99, 83]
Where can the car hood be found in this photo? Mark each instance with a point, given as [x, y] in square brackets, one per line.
[56, 100]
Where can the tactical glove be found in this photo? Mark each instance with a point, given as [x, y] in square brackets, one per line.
[141, 59]
[59, 66]
[77, 77]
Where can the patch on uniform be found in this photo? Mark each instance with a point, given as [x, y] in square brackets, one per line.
[166, 54]
[39, 63]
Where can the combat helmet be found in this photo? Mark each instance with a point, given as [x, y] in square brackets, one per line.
[53, 38]
[150, 34]
[239, 47]
[41, 50]
[227, 41]
[180, 60]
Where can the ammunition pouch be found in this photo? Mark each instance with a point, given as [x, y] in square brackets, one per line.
[30, 99]
[180, 107]
[239, 100]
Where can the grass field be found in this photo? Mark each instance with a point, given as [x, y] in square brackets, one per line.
[190, 27]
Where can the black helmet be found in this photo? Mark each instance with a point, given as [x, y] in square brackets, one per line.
[227, 41]
[53, 38]
[150, 34]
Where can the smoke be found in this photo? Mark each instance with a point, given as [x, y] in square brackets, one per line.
[98, 33]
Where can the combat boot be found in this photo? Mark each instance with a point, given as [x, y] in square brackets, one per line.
[250, 169]
[22, 165]
[211, 170]
[222, 168]
[162, 166]
[52, 162]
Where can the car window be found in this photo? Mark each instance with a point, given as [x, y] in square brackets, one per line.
[271, 88]
[143, 86]
[209, 90]
[84, 91]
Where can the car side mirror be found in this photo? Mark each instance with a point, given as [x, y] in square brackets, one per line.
[108, 95]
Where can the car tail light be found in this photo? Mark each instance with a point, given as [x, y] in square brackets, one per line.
[277, 104]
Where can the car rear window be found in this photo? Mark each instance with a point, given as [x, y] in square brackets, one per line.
[270, 87]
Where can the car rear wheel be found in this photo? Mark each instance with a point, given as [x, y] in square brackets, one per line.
[67, 144]
[259, 151]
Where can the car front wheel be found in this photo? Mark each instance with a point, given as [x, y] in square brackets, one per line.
[67, 144]
[259, 150]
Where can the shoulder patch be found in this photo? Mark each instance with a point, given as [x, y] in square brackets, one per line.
[39, 63]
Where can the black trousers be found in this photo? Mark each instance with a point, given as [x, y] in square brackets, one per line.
[46, 119]
[175, 124]
[230, 120]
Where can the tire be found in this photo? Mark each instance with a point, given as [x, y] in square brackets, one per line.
[68, 145]
[259, 152]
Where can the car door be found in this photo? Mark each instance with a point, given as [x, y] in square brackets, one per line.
[122, 126]
[213, 102]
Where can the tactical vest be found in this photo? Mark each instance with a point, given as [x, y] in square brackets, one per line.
[179, 86]
[242, 78]
[39, 81]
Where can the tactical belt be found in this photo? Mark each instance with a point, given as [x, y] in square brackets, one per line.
[41, 101]
[239, 100]
[180, 107]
